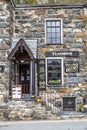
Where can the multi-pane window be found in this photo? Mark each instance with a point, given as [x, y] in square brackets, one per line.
[54, 72]
[53, 31]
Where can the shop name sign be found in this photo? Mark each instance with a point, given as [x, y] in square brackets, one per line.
[62, 53]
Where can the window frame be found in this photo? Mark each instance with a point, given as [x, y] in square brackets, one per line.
[62, 69]
[61, 30]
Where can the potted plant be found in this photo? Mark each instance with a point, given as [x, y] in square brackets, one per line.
[54, 82]
[39, 99]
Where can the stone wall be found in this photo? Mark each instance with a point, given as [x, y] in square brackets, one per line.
[5, 22]
[30, 24]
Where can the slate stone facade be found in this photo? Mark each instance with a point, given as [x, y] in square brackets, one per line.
[30, 24]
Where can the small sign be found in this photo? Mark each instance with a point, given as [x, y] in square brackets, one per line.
[62, 54]
[73, 80]
[41, 74]
[72, 67]
[2, 67]
[16, 91]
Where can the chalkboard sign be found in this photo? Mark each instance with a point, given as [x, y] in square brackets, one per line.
[41, 74]
[16, 91]
[72, 67]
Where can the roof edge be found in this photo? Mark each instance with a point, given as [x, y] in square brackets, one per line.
[83, 5]
[21, 42]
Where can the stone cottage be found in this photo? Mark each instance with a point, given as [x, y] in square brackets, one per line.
[43, 51]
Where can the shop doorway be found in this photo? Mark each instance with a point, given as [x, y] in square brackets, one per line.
[24, 79]
[22, 69]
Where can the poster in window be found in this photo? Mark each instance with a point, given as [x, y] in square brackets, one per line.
[41, 74]
[16, 91]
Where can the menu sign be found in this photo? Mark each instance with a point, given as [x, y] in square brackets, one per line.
[41, 74]
[71, 67]
[16, 91]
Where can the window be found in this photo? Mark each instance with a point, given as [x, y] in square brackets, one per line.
[54, 71]
[54, 31]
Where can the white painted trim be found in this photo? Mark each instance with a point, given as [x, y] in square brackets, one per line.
[61, 31]
[30, 77]
[62, 66]
[61, 28]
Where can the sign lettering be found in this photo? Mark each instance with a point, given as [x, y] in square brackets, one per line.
[62, 53]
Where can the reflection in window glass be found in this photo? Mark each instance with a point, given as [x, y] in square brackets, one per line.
[53, 27]
[54, 72]
[53, 23]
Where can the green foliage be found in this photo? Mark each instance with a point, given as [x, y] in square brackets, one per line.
[26, 1]
[30, 1]
[17, 1]
[80, 107]
[49, 1]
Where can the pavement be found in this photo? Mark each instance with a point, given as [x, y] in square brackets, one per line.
[45, 125]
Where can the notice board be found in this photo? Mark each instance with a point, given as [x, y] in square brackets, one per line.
[41, 74]
[16, 91]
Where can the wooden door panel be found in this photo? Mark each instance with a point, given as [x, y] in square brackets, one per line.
[25, 78]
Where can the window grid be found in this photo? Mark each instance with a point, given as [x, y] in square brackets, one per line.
[53, 31]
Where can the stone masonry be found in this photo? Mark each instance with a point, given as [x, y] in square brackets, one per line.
[30, 24]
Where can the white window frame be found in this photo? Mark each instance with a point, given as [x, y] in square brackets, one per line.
[62, 70]
[51, 19]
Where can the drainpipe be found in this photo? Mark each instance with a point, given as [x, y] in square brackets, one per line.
[37, 70]
[9, 85]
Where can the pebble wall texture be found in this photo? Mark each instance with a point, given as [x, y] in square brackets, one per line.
[30, 24]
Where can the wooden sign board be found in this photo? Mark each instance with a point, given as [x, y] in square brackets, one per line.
[16, 91]
[62, 54]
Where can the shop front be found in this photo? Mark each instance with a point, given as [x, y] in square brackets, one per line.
[22, 71]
